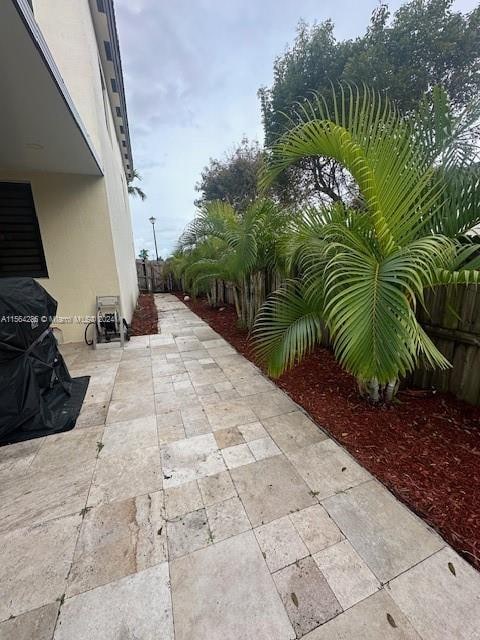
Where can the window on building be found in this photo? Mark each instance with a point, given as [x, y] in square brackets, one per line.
[21, 249]
[114, 85]
[108, 50]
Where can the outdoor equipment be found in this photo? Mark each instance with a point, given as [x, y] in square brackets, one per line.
[109, 324]
[37, 394]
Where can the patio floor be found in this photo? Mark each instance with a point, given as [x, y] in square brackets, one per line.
[194, 499]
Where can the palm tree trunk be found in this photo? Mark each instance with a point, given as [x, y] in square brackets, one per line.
[391, 390]
[236, 302]
[373, 390]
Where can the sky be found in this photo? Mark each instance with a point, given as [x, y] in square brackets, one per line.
[192, 69]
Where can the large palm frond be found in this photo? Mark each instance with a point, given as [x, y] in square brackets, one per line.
[287, 327]
[369, 139]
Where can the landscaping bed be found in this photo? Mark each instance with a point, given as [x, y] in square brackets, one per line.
[145, 316]
[425, 448]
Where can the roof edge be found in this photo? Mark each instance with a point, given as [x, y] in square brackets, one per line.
[25, 12]
[107, 8]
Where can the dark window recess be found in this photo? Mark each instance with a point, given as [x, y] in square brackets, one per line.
[124, 144]
[128, 166]
[126, 156]
[114, 85]
[122, 130]
[21, 250]
[119, 112]
[101, 6]
[108, 50]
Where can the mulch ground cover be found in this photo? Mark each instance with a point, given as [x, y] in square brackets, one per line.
[425, 448]
[145, 317]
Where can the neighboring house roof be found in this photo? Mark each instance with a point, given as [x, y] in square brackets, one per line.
[40, 128]
[103, 14]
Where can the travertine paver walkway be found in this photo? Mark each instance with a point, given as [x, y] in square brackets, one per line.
[194, 500]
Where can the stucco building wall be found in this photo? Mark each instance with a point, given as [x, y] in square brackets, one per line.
[85, 221]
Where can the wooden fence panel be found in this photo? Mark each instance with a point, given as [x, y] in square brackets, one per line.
[152, 277]
[452, 320]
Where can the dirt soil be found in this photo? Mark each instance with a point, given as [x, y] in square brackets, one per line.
[145, 317]
[425, 448]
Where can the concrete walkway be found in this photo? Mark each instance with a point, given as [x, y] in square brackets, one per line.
[194, 500]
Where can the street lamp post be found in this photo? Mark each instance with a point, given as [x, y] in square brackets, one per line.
[153, 220]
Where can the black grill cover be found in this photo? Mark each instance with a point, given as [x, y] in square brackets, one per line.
[36, 389]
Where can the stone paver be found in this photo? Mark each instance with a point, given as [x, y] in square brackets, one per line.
[35, 564]
[181, 448]
[280, 543]
[316, 528]
[263, 448]
[137, 606]
[226, 591]
[190, 459]
[182, 499]
[188, 533]
[118, 539]
[38, 624]
[307, 597]
[421, 595]
[327, 468]
[217, 488]
[376, 618]
[388, 537]
[227, 518]
[293, 431]
[271, 488]
[347, 574]
[125, 475]
[237, 456]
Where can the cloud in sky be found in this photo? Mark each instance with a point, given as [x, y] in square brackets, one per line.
[192, 70]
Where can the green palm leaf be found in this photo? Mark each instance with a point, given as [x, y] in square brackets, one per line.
[287, 327]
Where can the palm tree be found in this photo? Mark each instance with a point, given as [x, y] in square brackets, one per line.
[241, 250]
[361, 272]
[143, 254]
[134, 190]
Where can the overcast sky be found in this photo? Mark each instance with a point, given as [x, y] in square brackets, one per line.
[192, 69]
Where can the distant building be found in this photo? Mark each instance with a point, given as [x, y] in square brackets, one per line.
[65, 155]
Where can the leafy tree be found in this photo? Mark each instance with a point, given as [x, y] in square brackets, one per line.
[133, 189]
[361, 272]
[232, 179]
[424, 44]
[143, 254]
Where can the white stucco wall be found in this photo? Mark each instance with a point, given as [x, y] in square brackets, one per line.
[85, 222]
[77, 240]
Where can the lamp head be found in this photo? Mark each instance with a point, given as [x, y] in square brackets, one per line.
[152, 220]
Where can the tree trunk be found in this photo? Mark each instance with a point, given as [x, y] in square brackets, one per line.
[391, 390]
[236, 302]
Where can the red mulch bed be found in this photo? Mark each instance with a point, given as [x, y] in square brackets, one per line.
[425, 448]
[145, 317]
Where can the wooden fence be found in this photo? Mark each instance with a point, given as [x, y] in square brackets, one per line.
[152, 276]
[453, 323]
[452, 320]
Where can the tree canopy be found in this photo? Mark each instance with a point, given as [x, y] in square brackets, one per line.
[423, 44]
[232, 179]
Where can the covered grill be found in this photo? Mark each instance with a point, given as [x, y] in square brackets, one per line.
[37, 394]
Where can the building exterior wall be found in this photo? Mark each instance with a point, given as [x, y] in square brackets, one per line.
[77, 240]
[84, 221]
